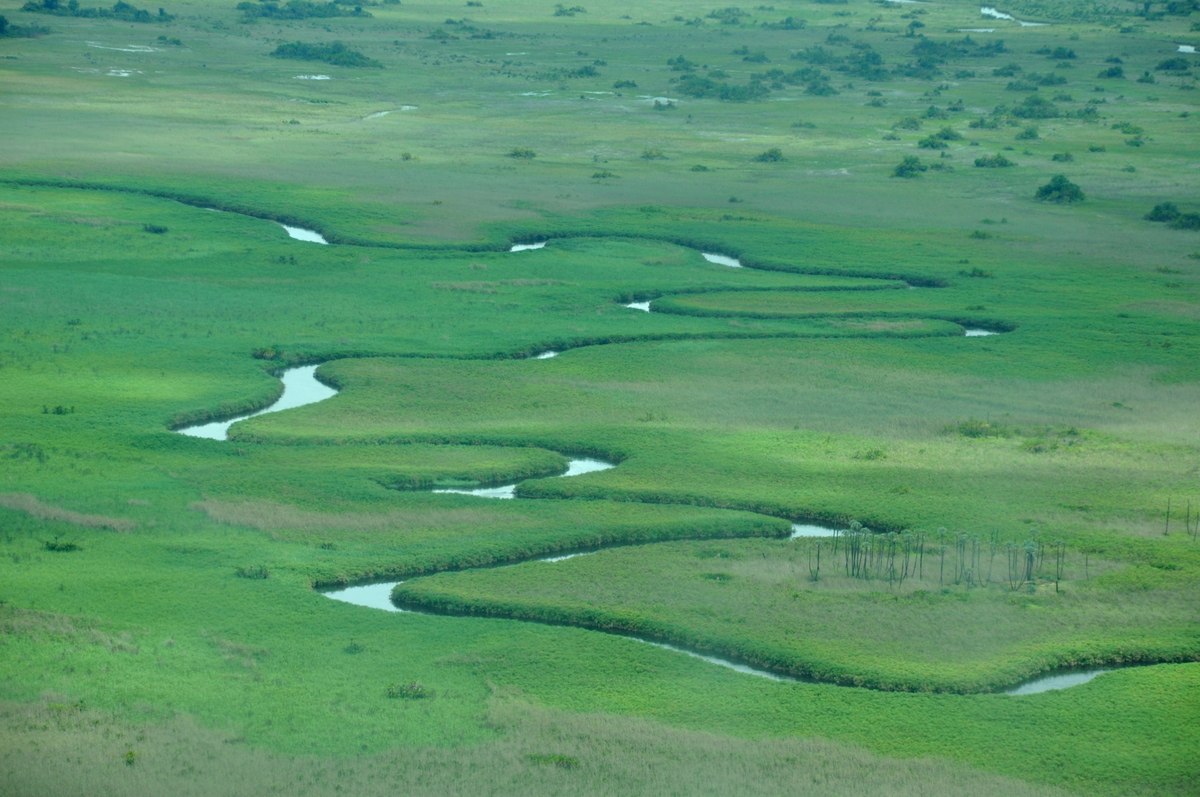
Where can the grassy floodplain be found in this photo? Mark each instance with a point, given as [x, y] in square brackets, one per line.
[159, 627]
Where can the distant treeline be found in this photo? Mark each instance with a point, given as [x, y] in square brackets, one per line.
[299, 9]
[10, 31]
[121, 10]
[336, 53]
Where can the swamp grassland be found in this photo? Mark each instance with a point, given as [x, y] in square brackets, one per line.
[149, 578]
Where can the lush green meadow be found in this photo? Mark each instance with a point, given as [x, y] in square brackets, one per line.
[160, 630]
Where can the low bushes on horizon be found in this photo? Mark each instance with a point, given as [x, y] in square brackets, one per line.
[335, 53]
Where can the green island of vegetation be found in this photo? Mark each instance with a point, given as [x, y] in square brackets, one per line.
[672, 398]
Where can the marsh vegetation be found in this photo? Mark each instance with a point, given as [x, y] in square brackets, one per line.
[803, 362]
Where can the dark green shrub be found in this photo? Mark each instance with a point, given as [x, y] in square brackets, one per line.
[522, 153]
[413, 690]
[1165, 211]
[994, 162]
[1060, 190]
[910, 167]
[336, 54]
[1028, 134]
[1174, 65]
[1112, 73]
[773, 155]
[1036, 107]
[974, 428]
[154, 229]
[1187, 221]
[932, 142]
[653, 154]
[121, 10]
[948, 134]
[1062, 157]
[298, 9]
[625, 84]
[908, 123]
[59, 545]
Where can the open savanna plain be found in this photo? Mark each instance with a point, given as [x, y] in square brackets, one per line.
[1012, 504]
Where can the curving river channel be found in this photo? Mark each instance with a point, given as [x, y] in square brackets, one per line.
[301, 387]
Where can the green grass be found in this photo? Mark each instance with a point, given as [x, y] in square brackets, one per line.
[758, 602]
[813, 385]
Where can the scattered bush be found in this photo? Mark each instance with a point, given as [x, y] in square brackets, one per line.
[1112, 73]
[625, 84]
[699, 168]
[773, 155]
[121, 10]
[1187, 221]
[413, 690]
[1174, 65]
[31, 31]
[1036, 107]
[978, 273]
[653, 154]
[974, 428]
[336, 54]
[908, 123]
[932, 142]
[1028, 134]
[910, 167]
[604, 174]
[59, 545]
[154, 229]
[522, 153]
[994, 162]
[1062, 157]
[298, 9]
[1060, 190]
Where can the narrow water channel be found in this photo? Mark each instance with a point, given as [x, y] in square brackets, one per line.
[301, 234]
[300, 387]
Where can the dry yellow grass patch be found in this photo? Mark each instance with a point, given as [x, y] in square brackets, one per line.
[25, 502]
[269, 515]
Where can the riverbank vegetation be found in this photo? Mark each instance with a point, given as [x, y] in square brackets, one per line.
[148, 284]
